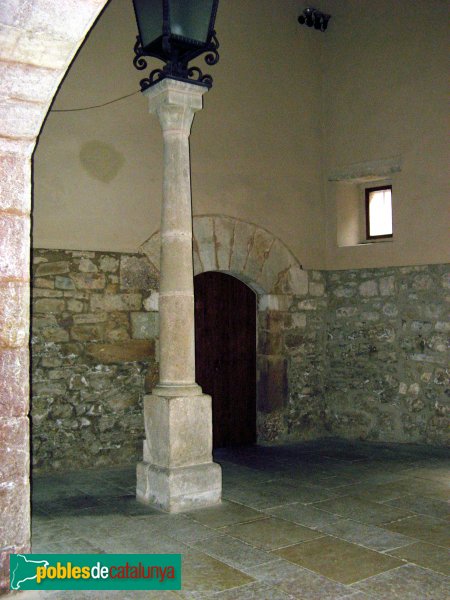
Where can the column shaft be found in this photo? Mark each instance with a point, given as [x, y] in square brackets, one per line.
[175, 104]
[177, 472]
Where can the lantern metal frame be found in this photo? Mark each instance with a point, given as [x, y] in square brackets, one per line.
[311, 17]
[176, 62]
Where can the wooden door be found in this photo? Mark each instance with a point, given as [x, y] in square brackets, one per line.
[225, 353]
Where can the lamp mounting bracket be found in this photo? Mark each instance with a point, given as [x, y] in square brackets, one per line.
[177, 68]
[311, 17]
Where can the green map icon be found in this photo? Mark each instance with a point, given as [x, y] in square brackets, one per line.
[23, 569]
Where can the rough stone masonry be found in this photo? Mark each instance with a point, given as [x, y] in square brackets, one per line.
[94, 333]
[360, 354]
[387, 354]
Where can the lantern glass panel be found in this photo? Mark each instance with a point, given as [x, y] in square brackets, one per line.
[191, 19]
[149, 16]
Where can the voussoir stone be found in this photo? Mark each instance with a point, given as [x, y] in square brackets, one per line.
[259, 251]
[278, 261]
[152, 250]
[243, 239]
[203, 230]
[224, 234]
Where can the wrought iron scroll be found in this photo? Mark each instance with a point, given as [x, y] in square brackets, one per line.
[311, 17]
[177, 69]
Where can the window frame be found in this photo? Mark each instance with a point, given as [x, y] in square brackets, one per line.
[367, 192]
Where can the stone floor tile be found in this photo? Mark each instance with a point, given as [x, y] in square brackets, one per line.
[380, 475]
[233, 552]
[421, 527]
[276, 493]
[95, 510]
[270, 533]
[125, 505]
[104, 595]
[118, 595]
[144, 595]
[425, 555]
[330, 482]
[407, 583]
[201, 572]
[181, 528]
[235, 474]
[226, 513]
[401, 487]
[307, 515]
[48, 490]
[423, 506]
[69, 505]
[67, 546]
[370, 536]
[145, 544]
[362, 510]
[346, 453]
[337, 559]
[104, 489]
[125, 473]
[361, 596]
[50, 531]
[298, 581]
[437, 472]
[254, 591]
[96, 527]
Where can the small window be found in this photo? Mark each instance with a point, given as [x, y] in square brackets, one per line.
[379, 212]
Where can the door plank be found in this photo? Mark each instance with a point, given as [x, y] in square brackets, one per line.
[225, 340]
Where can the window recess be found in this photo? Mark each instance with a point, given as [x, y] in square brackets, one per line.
[362, 194]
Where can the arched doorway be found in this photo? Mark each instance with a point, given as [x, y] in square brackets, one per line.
[225, 338]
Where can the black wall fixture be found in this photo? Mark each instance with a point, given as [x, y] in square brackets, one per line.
[314, 18]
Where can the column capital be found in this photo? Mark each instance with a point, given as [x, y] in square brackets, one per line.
[175, 102]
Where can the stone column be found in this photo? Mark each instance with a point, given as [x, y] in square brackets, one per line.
[177, 472]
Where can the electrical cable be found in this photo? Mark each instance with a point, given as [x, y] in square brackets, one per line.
[61, 110]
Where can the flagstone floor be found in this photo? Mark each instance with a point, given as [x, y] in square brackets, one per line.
[313, 521]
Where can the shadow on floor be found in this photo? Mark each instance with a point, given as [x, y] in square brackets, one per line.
[317, 520]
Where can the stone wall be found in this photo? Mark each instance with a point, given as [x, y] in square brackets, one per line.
[291, 320]
[387, 354]
[94, 332]
[357, 354]
[291, 361]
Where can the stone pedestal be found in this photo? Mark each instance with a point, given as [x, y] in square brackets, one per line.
[177, 472]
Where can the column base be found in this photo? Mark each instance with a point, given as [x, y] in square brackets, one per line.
[181, 488]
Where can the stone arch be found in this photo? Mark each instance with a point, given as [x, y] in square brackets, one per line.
[242, 249]
[39, 39]
[261, 260]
